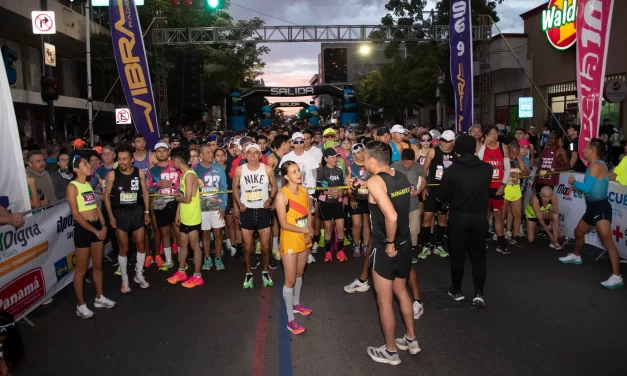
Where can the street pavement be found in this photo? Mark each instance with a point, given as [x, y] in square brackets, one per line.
[542, 318]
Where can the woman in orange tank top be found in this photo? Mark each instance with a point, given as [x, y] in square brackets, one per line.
[292, 207]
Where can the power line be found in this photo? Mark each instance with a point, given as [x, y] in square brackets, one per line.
[267, 15]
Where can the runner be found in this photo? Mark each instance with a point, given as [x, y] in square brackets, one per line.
[543, 209]
[598, 211]
[296, 220]
[331, 208]
[89, 233]
[233, 234]
[141, 158]
[552, 159]
[254, 190]
[188, 219]
[280, 146]
[126, 197]
[358, 203]
[513, 193]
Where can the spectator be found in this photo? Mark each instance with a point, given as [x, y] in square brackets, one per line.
[43, 181]
[7, 218]
[619, 174]
[62, 176]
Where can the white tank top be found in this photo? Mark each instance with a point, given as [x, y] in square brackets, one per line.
[254, 187]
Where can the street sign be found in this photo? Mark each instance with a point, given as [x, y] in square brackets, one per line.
[525, 107]
[122, 116]
[43, 22]
[50, 55]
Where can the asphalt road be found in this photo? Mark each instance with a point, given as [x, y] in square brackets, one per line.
[542, 318]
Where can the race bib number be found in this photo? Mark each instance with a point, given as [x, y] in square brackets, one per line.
[302, 222]
[496, 173]
[252, 196]
[439, 172]
[89, 198]
[128, 198]
[210, 203]
[362, 191]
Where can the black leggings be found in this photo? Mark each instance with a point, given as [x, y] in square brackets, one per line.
[467, 235]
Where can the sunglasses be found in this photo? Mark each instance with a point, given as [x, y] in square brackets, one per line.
[357, 147]
[425, 140]
[298, 142]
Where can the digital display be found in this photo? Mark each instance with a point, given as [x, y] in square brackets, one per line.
[525, 107]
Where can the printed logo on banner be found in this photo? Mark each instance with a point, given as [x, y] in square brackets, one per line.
[13, 263]
[61, 268]
[12, 239]
[64, 223]
[568, 193]
[23, 292]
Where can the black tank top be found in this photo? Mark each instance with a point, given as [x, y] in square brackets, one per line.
[126, 192]
[398, 190]
[440, 162]
[277, 170]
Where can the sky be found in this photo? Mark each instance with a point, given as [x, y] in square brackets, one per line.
[293, 64]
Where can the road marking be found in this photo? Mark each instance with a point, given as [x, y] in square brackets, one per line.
[259, 355]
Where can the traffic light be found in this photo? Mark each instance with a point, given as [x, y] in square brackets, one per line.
[49, 89]
[9, 57]
[214, 4]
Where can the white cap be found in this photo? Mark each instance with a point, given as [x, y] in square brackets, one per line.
[253, 146]
[160, 145]
[448, 135]
[398, 129]
[297, 135]
[435, 134]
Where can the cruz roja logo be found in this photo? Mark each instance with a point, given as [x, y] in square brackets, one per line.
[18, 237]
[568, 192]
[64, 223]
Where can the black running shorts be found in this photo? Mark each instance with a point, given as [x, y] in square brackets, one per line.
[185, 229]
[255, 219]
[166, 216]
[432, 205]
[362, 208]
[129, 220]
[331, 211]
[388, 267]
[83, 238]
[597, 211]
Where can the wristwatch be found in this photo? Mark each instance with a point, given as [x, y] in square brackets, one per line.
[389, 242]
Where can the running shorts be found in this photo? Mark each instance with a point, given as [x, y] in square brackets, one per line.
[255, 219]
[165, 217]
[512, 192]
[362, 208]
[211, 220]
[432, 205]
[185, 229]
[331, 211]
[388, 267]
[495, 201]
[597, 211]
[129, 220]
[83, 238]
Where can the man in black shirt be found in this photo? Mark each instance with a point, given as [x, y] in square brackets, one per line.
[573, 150]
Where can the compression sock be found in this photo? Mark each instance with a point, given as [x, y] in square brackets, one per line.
[425, 236]
[228, 243]
[297, 287]
[316, 239]
[275, 242]
[139, 267]
[168, 254]
[340, 245]
[501, 241]
[327, 245]
[440, 232]
[288, 296]
[122, 261]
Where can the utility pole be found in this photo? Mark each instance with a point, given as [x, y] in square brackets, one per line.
[46, 72]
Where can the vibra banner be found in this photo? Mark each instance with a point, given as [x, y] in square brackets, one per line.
[594, 18]
[460, 44]
[130, 56]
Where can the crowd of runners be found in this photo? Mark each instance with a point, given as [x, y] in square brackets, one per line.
[292, 193]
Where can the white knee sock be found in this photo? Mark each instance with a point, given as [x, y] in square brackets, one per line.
[122, 261]
[288, 296]
[275, 243]
[228, 243]
[297, 287]
[168, 254]
[139, 267]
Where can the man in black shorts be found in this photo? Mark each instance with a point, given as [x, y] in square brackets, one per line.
[390, 259]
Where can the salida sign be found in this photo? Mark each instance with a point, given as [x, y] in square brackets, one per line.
[558, 23]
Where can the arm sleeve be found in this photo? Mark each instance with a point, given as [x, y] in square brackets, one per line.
[587, 184]
[507, 169]
[481, 152]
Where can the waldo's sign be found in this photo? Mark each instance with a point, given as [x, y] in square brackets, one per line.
[558, 22]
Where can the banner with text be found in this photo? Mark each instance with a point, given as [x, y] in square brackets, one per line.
[594, 19]
[460, 44]
[130, 56]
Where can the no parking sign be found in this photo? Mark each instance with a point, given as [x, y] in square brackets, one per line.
[122, 116]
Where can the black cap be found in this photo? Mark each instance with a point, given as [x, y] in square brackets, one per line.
[465, 145]
[330, 152]
[382, 131]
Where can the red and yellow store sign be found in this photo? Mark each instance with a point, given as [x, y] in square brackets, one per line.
[558, 23]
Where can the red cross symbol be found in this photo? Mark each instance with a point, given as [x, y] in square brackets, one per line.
[617, 234]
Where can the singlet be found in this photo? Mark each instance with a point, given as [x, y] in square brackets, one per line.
[530, 213]
[548, 161]
[143, 164]
[398, 191]
[330, 177]
[359, 171]
[86, 199]
[494, 157]
[297, 214]
[440, 162]
[190, 213]
[396, 154]
[600, 187]
[514, 167]
[254, 187]
[126, 192]
[211, 178]
[168, 172]
[277, 170]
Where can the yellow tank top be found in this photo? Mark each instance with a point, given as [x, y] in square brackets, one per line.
[86, 199]
[297, 214]
[530, 213]
[190, 213]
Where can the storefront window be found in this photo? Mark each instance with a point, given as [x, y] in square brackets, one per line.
[610, 111]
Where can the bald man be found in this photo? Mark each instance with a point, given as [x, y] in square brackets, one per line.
[542, 209]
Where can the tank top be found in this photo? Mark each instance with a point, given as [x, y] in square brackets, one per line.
[514, 167]
[548, 161]
[190, 213]
[421, 158]
[144, 164]
[530, 213]
[126, 192]
[277, 170]
[494, 157]
[86, 199]
[297, 214]
[254, 187]
[440, 162]
[600, 187]
[398, 191]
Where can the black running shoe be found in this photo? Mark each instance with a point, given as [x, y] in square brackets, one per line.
[478, 301]
[458, 296]
[273, 263]
[255, 261]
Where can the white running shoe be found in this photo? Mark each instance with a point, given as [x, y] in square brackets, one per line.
[381, 355]
[556, 247]
[310, 258]
[614, 282]
[508, 234]
[233, 251]
[357, 286]
[83, 312]
[167, 265]
[139, 278]
[276, 254]
[571, 258]
[408, 345]
[126, 288]
[314, 248]
[418, 311]
[103, 302]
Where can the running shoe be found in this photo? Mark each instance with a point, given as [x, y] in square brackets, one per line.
[507, 235]
[239, 253]
[83, 312]
[254, 261]
[298, 308]
[219, 263]
[328, 256]
[478, 301]
[248, 281]
[295, 327]
[139, 278]
[117, 271]
[426, 251]
[193, 281]
[310, 258]
[207, 264]
[514, 241]
[356, 251]
[614, 282]
[457, 295]
[314, 248]
[175, 248]
[149, 261]
[276, 254]
[357, 286]
[418, 310]
[341, 257]
[273, 263]
[503, 250]
[414, 260]
[556, 247]
[103, 302]
[267, 281]
[439, 250]
[382, 355]
[159, 261]
[166, 266]
[233, 251]
[125, 286]
[407, 344]
[571, 258]
[179, 276]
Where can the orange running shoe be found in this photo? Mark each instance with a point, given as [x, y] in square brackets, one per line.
[328, 256]
[159, 261]
[179, 276]
[341, 257]
[149, 261]
[295, 327]
[175, 248]
[193, 281]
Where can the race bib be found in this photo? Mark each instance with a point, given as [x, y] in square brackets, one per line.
[362, 191]
[496, 173]
[439, 172]
[252, 196]
[89, 198]
[302, 222]
[128, 198]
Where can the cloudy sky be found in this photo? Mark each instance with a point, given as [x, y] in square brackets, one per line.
[293, 64]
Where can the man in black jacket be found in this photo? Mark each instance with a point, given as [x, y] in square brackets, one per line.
[465, 186]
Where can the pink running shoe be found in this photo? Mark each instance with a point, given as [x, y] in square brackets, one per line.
[328, 256]
[175, 248]
[341, 257]
[298, 308]
[179, 276]
[193, 281]
[295, 327]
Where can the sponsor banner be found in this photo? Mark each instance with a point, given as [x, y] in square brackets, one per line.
[594, 18]
[130, 56]
[572, 206]
[36, 260]
[460, 44]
